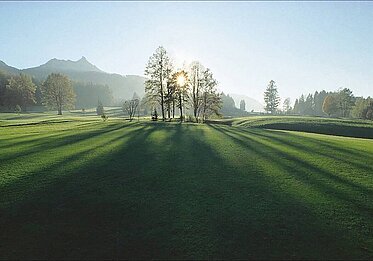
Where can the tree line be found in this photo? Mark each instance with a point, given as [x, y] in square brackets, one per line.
[20, 92]
[340, 103]
[192, 89]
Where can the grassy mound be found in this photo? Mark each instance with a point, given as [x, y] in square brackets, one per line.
[340, 127]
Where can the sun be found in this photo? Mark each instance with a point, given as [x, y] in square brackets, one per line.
[181, 80]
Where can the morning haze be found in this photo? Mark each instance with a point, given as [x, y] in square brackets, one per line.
[303, 46]
[186, 130]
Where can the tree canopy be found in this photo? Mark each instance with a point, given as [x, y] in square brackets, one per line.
[58, 92]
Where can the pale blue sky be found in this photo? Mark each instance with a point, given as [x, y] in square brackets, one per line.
[303, 46]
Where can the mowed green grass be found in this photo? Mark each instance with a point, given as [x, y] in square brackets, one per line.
[340, 127]
[85, 189]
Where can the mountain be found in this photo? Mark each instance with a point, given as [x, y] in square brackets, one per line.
[122, 86]
[81, 65]
[251, 104]
[8, 69]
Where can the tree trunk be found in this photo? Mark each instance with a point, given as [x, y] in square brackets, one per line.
[181, 109]
[173, 108]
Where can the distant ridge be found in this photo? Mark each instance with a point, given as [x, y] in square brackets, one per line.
[251, 104]
[122, 86]
[81, 65]
[8, 69]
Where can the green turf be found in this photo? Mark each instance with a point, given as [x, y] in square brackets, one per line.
[341, 127]
[81, 188]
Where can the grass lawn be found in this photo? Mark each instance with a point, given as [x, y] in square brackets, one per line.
[80, 188]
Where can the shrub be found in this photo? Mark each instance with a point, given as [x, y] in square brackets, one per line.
[100, 109]
[104, 117]
[18, 109]
[155, 115]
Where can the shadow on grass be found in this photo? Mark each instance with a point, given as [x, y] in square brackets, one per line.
[46, 142]
[164, 191]
[315, 177]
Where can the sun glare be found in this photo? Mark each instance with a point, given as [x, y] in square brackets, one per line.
[181, 80]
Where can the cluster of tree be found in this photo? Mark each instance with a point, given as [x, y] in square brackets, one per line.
[56, 92]
[363, 108]
[340, 103]
[193, 88]
[87, 94]
[229, 107]
[17, 92]
[310, 104]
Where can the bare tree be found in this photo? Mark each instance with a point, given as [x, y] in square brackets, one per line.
[158, 70]
[286, 106]
[195, 76]
[180, 83]
[211, 100]
[131, 106]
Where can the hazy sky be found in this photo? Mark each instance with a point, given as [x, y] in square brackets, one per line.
[303, 46]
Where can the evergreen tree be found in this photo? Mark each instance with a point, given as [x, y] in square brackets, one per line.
[286, 106]
[100, 109]
[271, 98]
[242, 105]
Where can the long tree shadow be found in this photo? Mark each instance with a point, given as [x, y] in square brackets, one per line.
[351, 157]
[33, 178]
[295, 163]
[65, 138]
[292, 141]
[163, 191]
[309, 175]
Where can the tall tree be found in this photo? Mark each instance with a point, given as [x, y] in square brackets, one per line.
[286, 106]
[58, 92]
[211, 100]
[271, 98]
[368, 110]
[158, 69]
[309, 105]
[131, 106]
[100, 110]
[359, 110]
[345, 100]
[296, 107]
[242, 105]
[20, 91]
[302, 105]
[330, 105]
[195, 76]
[180, 81]
[318, 101]
[4, 79]
[170, 97]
